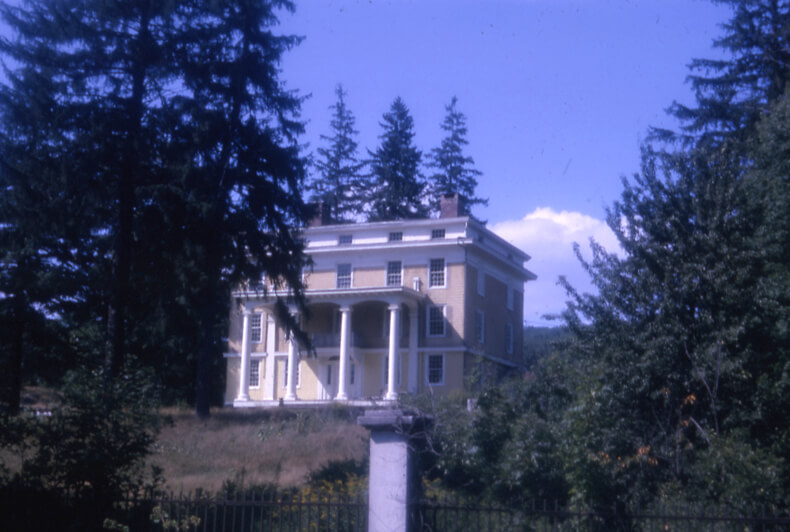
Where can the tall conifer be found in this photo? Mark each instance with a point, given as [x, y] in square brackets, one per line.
[396, 188]
[455, 172]
[338, 182]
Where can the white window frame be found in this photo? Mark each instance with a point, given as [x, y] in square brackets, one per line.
[443, 310]
[428, 369]
[509, 338]
[444, 273]
[350, 275]
[255, 369]
[256, 330]
[481, 282]
[399, 274]
[480, 327]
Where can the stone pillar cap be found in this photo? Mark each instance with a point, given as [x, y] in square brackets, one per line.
[394, 420]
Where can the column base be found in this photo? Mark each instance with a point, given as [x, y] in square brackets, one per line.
[391, 397]
[341, 397]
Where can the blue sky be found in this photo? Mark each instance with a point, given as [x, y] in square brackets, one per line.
[558, 96]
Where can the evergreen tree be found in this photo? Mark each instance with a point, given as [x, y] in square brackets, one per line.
[396, 187]
[339, 181]
[163, 140]
[732, 93]
[455, 172]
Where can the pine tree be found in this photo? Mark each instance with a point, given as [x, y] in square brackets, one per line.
[732, 93]
[396, 187]
[455, 172]
[165, 145]
[339, 181]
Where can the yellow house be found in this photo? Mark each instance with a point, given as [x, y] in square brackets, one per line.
[397, 306]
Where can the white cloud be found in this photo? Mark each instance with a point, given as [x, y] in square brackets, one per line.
[548, 237]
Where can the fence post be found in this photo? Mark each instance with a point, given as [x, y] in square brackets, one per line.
[394, 481]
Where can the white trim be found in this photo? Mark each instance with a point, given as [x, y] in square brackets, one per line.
[444, 273]
[428, 321]
[350, 276]
[259, 317]
[257, 362]
[387, 273]
[428, 370]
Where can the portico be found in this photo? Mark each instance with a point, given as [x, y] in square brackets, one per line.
[359, 338]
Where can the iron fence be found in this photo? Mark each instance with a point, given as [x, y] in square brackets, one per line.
[449, 516]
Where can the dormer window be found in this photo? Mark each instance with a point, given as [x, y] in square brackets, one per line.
[344, 239]
[437, 233]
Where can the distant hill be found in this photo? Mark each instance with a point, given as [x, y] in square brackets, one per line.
[540, 342]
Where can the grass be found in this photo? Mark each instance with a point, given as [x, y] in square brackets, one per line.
[242, 447]
[252, 447]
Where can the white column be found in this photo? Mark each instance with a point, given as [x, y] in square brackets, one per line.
[269, 362]
[244, 370]
[394, 352]
[413, 339]
[345, 341]
[290, 393]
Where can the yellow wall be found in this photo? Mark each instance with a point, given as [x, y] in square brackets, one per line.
[232, 378]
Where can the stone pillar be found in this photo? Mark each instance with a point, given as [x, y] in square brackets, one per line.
[290, 393]
[394, 353]
[244, 369]
[414, 332]
[345, 341]
[394, 481]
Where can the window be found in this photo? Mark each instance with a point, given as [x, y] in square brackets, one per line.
[436, 273]
[437, 233]
[394, 273]
[436, 320]
[329, 375]
[481, 282]
[344, 239]
[343, 276]
[396, 236]
[480, 327]
[509, 338]
[351, 372]
[256, 328]
[298, 374]
[510, 298]
[435, 370]
[255, 373]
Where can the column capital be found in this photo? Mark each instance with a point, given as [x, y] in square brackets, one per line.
[394, 306]
[245, 311]
[345, 308]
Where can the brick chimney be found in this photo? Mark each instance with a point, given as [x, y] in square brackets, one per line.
[321, 214]
[452, 206]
